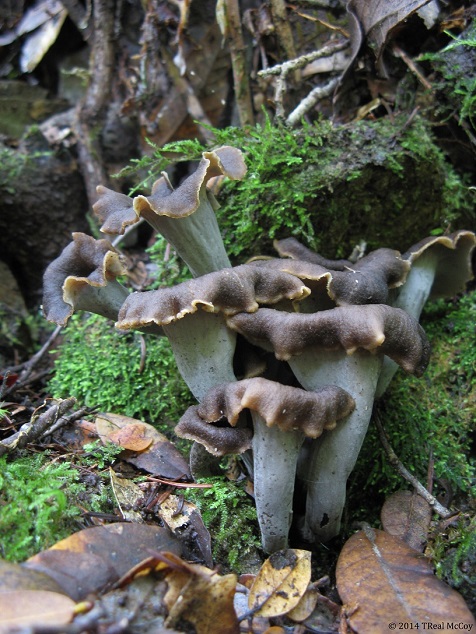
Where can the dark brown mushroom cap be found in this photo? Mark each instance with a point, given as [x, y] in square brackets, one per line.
[85, 262]
[367, 283]
[374, 327]
[183, 201]
[452, 255]
[292, 248]
[117, 211]
[289, 408]
[114, 210]
[228, 291]
[217, 440]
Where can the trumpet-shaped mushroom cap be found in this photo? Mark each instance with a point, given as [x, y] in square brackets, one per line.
[452, 261]
[292, 248]
[228, 291]
[367, 283]
[282, 406]
[114, 210]
[183, 201]
[117, 211]
[217, 440]
[374, 327]
[289, 408]
[85, 263]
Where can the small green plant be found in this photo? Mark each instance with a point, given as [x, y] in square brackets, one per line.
[99, 455]
[123, 373]
[170, 269]
[230, 515]
[456, 67]
[37, 504]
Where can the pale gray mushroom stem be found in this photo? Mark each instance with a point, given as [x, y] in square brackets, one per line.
[101, 300]
[275, 455]
[332, 456]
[203, 350]
[412, 296]
[196, 238]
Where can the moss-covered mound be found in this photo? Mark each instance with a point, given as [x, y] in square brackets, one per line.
[384, 182]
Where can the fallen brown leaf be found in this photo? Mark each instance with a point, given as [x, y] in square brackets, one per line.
[378, 19]
[383, 581]
[200, 596]
[93, 559]
[305, 607]
[133, 436]
[24, 608]
[126, 492]
[16, 577]
[184, 519]
[407, 515]
[157, 455]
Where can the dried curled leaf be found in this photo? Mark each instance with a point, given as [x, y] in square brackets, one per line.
[280, 583]
[378, 19]
[146, 448]
[200, 596]
[382, 581]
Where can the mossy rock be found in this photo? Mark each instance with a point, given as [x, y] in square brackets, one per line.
[384, 182]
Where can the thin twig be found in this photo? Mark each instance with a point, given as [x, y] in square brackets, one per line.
[28, 366]
[399, 467]
[65, 420]
[303, 60]
[318, 93]
[281, 72]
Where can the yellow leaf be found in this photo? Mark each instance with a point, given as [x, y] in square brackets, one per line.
[280, 583]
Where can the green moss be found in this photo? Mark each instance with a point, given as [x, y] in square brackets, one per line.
[230, 516]
[453, 553]
[385, 182]
[37, 504]
[102, 367]
[431, 418]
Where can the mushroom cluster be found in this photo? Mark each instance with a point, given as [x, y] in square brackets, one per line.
[327, 336]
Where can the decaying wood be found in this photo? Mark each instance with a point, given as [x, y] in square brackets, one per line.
[238, 60]
[40, 426]
[92, 112]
